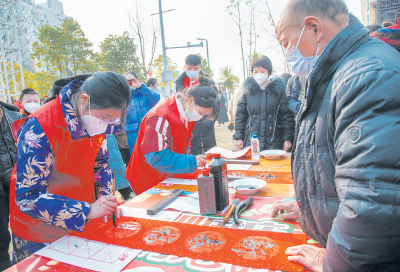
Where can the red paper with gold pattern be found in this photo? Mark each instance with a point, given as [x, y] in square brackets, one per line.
[233, 246]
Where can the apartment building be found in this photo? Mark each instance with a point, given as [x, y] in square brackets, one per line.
[30, 17]
[379, 11]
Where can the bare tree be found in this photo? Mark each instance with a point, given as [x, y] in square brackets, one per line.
[272, 33]
[253, 36]
[145, 33]
[237, 14]
[253, 30]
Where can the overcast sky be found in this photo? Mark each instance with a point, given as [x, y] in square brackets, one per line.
[191, 19]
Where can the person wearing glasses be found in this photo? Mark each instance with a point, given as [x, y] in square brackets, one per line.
[62, 176]
[142, 100]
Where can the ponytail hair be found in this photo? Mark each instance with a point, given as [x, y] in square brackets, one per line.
[61, 83]
[106, 89]
[204, 95]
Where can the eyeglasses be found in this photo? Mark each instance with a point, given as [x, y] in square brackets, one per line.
[115, 121]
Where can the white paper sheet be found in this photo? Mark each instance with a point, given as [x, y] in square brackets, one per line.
[228, 154]
[168, 216]
[185, 204]
[239, 167]
[89, 254]
[180, 181]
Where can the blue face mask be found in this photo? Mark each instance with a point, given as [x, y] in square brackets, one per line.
[192, 74]
[158, 89]
[300, 65]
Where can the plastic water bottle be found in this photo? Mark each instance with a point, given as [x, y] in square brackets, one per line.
[255, 148]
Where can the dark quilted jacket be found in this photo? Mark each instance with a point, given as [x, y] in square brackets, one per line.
[264, 112]
[8, 150]
[346, 163]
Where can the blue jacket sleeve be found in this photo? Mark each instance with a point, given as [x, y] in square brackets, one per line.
[169, 162]
[116, 163]
[150, 94]
[294, 105]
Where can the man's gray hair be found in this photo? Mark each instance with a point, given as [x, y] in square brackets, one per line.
[297, 10]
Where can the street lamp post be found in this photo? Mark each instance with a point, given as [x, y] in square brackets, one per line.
[164, 49]
[208, 58]
[167, 75]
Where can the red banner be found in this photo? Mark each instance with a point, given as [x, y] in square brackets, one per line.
[233, 246]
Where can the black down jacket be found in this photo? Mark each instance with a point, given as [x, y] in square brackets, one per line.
[264, 112]
[203, 130]
[8, 149]
[346, 161]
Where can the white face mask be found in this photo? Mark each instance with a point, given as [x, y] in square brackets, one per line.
[93, 125]
[261, 78]
[301, 66]
[31, 107]
[195, 116]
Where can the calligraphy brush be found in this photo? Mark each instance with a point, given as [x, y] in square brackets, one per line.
[202, 147]
[242, 207]
[124, 226]
[231, 209]
[113, 191]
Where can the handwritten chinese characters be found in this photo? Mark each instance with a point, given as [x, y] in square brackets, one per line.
[127, 229]
[162, 235]
[206, 242]
[256, 248]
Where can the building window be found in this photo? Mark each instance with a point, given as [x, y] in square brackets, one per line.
[49, 3]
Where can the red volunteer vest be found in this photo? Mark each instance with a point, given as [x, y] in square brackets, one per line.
[72, 175]
[186, 82]
[140, 174]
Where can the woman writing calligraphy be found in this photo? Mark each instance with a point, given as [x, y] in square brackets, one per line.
[62, 164]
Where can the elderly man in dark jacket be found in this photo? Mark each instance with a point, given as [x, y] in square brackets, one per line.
[8, 157]
[346, 161]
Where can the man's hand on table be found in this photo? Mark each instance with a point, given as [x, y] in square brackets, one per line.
[201, 160]
[307, 255]
[239, 144]
[287, 145]
[290, 206]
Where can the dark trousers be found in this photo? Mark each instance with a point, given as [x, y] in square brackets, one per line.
[5, 237]
[126, 155]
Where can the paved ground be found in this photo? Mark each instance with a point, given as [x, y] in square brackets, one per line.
[223, 136]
